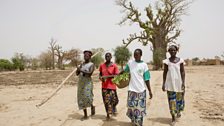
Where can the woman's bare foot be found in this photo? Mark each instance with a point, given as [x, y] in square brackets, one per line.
[173, 123]
[178, 115]
[84, 118]
[108, 117]
[93, 111]
[173, 120]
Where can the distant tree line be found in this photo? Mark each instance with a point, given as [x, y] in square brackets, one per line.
[56, 57]
[217, 60]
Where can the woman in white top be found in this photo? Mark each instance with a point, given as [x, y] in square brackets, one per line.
[139, 80]
[174, 82]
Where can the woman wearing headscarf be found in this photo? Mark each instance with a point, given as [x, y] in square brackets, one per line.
[174, 81]
[85, 85]
[109, 93]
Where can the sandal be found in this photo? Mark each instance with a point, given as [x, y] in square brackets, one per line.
[93, 110]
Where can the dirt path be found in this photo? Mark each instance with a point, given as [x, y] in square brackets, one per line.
[204, 103]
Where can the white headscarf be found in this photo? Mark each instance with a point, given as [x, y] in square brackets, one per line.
[170, 44]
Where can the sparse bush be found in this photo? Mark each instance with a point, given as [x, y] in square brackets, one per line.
[5, 65]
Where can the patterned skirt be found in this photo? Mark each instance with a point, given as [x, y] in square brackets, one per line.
[136, 107]
[176, 102]
[110, 100]
[85, 92]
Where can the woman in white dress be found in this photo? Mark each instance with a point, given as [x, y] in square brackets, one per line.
[174, 82]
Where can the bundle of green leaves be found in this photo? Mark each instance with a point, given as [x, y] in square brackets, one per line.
[122, 77]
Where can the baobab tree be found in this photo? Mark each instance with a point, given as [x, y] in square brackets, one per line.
[160, 27]
[60, 56]
[52, 50]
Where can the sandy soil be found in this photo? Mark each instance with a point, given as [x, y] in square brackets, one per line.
[204, 103]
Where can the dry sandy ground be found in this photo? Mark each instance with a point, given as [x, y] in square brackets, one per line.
[204, 103]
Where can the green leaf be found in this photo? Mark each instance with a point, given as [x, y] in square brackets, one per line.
[118, 78]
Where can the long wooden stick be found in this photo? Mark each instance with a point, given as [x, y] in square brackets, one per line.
[60, 86]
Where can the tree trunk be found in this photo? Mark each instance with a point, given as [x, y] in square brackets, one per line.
[122, 66]
[158, 55]
[60, 62]
[53, 59]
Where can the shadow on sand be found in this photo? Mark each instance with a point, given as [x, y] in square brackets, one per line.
[73, 116]
[110, 122]
[114, 122]
[161, 120]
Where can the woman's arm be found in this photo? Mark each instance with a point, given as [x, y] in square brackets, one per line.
[149, 88]
[126, 69]
[101, 74]
[164, 76]
[90, 72]
[182, 73]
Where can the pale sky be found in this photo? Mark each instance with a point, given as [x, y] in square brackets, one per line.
[27, 25]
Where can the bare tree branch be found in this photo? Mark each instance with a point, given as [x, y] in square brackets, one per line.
[161, 25]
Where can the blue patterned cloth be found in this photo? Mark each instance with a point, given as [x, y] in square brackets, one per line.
[136, 104]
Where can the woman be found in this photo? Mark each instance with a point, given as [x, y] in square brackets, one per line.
[109, 93]
[139, 77]
[174, 82]
[85, 85]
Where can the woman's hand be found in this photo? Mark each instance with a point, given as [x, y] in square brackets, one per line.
[121, 72]
[102, 79]
[150, 95]
[79, 68]
[163, 87]
[183, 87]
